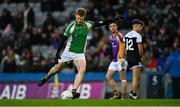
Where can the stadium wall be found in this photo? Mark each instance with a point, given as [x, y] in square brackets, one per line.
[24, 86]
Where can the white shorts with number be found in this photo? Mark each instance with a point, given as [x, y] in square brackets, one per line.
[118, 66]
[71, 56]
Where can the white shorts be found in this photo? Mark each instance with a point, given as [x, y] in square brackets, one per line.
[117, 66]
[71, 56]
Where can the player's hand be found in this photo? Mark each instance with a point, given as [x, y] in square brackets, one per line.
[118, 18]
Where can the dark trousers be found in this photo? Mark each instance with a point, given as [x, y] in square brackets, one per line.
[176, 87]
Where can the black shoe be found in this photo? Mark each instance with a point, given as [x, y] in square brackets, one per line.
[76, 95]
[132, 97]
[42, 81]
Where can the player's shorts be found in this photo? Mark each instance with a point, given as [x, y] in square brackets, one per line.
[134, 63]
[71, 56]
[118, 66]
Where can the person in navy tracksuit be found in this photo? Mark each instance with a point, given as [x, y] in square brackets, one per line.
[173, 66]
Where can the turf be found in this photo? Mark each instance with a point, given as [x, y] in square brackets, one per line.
[104, 102]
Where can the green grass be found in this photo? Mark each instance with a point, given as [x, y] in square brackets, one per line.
[103, 102]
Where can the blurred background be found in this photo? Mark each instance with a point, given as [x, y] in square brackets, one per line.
[30, 31]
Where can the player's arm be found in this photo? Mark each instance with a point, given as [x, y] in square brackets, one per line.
[124, 51]
[169, 62]
[61, 45]
[63, 40]
[124, 46]
[122, 55]
[140, 45]
[105, 22]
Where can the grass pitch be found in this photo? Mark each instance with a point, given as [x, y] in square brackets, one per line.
[102, 102]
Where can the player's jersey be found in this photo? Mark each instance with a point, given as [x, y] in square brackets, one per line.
[77, 35]
[117, 46]
[132, 39]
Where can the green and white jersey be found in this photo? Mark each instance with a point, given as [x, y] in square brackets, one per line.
[77, 35]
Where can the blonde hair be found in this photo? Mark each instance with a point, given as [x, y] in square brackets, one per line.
[81, 12]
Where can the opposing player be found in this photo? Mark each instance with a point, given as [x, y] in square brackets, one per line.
[118, 63]
[75, 35]
[134, 52]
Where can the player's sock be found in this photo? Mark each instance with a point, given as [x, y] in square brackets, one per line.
[43, 81]
[74, 90]
[75, 94]
[46, 78]
[134, 94]
[131, 92]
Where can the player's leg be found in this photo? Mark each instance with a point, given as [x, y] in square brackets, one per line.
[81, 67]
[123, 83]
[176, 87]
[109, 76]
[55, 69]
[135, 81]
[65, 57]
[112, 83]
[122, 71]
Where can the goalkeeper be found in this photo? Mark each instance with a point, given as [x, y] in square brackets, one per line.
[74, 41]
